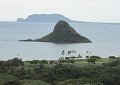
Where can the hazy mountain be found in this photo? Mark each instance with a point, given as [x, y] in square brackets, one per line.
[53, 18]
[45, 18]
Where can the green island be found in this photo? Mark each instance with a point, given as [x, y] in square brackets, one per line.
[93, 70]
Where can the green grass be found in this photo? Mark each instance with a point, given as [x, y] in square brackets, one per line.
[6, 77]
[82, 81]
[32, 82]
[99, 62]
[83, 62]
[104, 60]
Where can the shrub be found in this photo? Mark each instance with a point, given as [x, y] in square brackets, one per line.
[91, 60]
[81, 81]
[113, 63]
[33, 62]
[112, 57]
[43, 62]
[70, 61]
[11, 83]
[96, 57]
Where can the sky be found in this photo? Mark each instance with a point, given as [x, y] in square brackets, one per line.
[82, 10]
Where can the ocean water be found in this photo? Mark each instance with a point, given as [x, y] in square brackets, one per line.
[105, 38]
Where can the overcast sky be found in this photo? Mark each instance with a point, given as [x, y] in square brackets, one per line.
[82, 10]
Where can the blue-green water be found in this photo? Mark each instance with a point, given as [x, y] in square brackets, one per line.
[105, 38]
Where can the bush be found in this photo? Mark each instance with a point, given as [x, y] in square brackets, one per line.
[81, 81]
[96, 57]
[109, 79]
[112, 57]
[11, 83]
[32, 82]
[70, 61]
[6, 78]
[113, 63]
[62, 72]
[51, 62]
[33, 62]
[62, 61]
[91, 60]
[43, 62]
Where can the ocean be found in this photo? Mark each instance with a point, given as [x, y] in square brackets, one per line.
[105, 41]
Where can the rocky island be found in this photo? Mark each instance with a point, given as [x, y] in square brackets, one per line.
[63, 33]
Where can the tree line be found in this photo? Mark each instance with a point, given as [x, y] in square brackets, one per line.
[62, 73]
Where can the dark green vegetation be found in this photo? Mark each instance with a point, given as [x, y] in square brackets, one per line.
[63, 33]
[91, 71]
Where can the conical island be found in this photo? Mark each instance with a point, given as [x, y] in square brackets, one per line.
[63, 33]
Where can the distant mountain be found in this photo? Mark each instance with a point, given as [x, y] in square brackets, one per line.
[45, 18]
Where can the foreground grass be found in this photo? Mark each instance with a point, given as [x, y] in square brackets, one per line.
[6, 77]
[32, 82]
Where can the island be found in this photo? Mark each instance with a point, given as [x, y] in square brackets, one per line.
[46, 18]
[62, 33]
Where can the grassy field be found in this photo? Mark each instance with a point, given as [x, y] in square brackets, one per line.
[82, 62]
[6, 77]
[32, 82]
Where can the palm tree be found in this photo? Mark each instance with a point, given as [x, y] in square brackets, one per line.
[88, 52]
[79, 56]
[63, 52]
[69, 52]
[74, 52]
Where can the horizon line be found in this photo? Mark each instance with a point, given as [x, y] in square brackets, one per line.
[76, 21]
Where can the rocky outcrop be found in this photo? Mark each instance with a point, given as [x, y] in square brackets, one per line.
[20, 20]
[29, 40]
[63, 33]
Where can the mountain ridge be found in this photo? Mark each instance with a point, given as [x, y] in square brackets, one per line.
[53, 18]
[45, 18]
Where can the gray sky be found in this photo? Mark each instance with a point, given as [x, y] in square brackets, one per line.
[83, 10]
